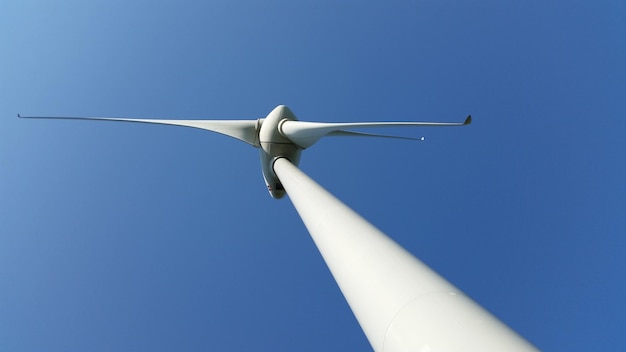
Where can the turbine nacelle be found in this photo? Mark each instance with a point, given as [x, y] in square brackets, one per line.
[275, 145]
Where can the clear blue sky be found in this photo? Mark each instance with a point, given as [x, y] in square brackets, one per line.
[127, 237]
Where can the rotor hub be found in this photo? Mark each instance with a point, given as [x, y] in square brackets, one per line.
[275, 145]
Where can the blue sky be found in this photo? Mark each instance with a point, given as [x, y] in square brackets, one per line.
[133, 237]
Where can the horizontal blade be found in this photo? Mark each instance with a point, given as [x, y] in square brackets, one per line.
[361, 134]
[305, 134]
[244, 130]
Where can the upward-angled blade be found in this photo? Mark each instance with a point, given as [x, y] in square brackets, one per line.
[244, 130]
[305, 134]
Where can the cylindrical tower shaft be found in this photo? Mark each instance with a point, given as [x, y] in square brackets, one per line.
[400, 303]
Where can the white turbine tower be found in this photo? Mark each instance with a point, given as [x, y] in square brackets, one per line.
[400, 303]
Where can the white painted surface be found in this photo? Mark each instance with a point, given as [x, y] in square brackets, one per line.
[400, 303]
[244, 130]
[305, 134]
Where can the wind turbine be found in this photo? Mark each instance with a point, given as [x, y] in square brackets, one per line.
[400, 303]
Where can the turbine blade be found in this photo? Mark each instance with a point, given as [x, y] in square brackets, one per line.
[244, 130]
[305, 134]
[361, 134]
